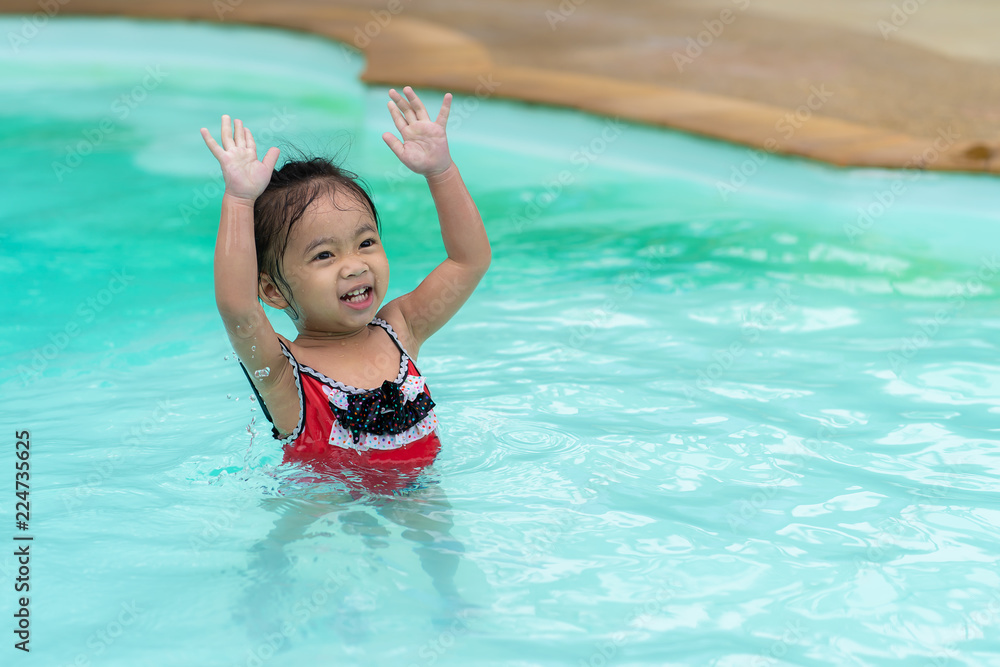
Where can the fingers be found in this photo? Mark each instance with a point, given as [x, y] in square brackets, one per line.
[227, 133]
[210, 142]
[397, 117]
[271, 158]
[404, 105]
[442, 118]
[411, 109]
[243, 138]
[248, 138]
[229, 137]
[239, 137]
[416, 104]
[394, 144]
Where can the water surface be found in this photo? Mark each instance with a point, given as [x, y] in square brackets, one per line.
[678, 428]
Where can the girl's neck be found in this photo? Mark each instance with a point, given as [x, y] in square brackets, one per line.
[310, 338]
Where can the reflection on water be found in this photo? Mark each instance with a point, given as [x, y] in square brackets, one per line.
[279, 602]
[673, 430]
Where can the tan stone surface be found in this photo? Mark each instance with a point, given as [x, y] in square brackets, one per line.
[888, 89]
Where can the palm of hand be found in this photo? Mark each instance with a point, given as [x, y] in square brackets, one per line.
[424, 148]
[245, 175]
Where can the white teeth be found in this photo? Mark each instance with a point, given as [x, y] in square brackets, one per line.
[356, 295]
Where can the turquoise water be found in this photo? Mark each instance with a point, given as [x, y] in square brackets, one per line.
[679, 428]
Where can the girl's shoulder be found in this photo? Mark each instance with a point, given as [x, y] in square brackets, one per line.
[394, 318]
[293, 350]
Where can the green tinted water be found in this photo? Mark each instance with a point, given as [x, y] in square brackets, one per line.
[678, 428]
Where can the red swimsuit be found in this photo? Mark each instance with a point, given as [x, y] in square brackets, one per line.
[332, 435]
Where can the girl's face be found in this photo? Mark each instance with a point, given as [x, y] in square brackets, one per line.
[336, 266]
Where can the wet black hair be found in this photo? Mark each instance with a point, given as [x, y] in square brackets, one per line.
[293, 187]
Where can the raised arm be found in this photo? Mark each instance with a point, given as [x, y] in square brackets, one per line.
[236, 277]
[236, 258]
[424, 150]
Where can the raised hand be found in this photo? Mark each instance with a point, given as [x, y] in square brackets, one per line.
[424, 148]
[245, 175]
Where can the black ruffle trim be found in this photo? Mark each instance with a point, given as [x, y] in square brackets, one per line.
[383, 410]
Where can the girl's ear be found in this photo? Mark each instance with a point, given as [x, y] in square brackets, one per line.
[270, 294]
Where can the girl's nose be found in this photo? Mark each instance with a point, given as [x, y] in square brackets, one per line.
[354, 268]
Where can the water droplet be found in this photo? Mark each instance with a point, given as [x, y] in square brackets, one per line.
[229, 395]
[253, 348]
[264, 372]
[237, 398]
[227, 357]
[253, 399]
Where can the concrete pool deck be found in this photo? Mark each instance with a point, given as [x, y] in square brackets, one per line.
[881, 83]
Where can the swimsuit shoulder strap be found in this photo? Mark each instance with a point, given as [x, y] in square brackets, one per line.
[392, 334]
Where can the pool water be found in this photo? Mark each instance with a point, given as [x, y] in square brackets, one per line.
[682, 424]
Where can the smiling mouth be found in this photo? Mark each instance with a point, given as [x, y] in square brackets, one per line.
[359, 295]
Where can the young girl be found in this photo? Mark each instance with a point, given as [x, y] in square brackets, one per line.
[345, 394]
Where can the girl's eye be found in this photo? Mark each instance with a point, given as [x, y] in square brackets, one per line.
[323, 255]
[371, 242]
